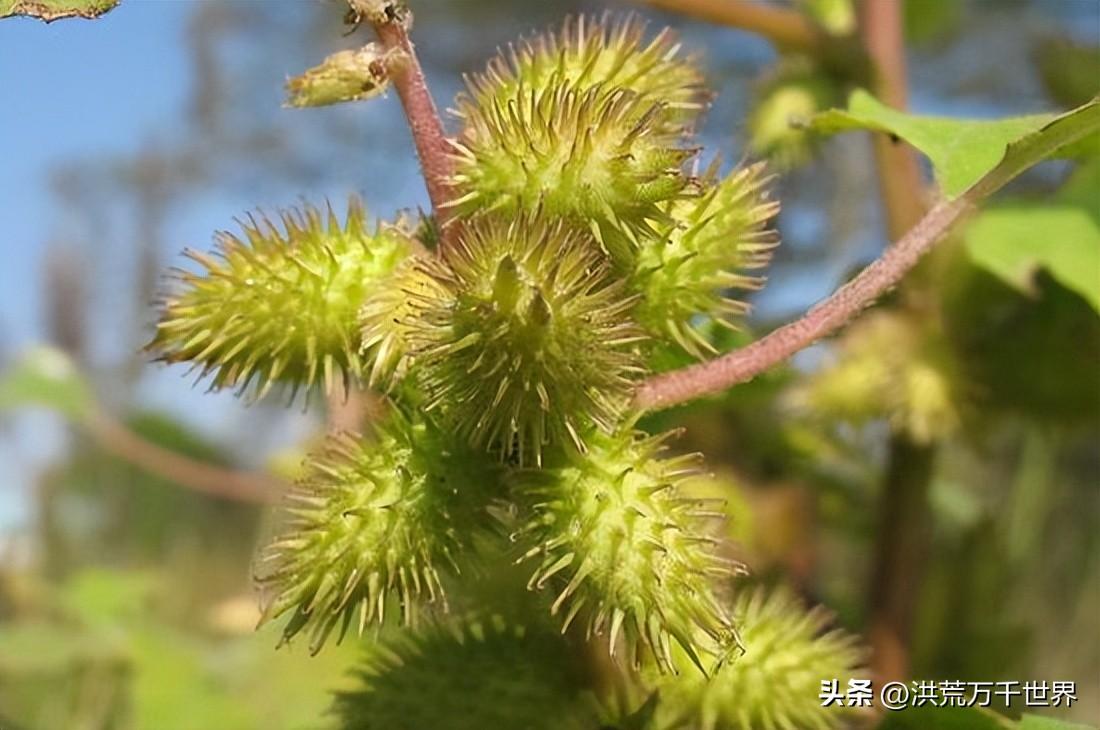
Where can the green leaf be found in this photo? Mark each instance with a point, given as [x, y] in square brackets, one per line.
[51, 10]
[1035, 722]
[943, 718]
[1015, 240]
[962, 151]
[45, 376]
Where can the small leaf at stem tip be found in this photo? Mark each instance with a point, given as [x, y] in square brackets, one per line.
[344, 76]
[51, 10]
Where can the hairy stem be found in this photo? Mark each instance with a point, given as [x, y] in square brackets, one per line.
[739, 366]
[782, 26]
[424, 122]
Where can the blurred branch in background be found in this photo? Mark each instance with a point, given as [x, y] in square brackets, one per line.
[783, 26]
[903, 530]
[117, 439]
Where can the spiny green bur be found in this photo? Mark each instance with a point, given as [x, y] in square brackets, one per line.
[625, 549]
[531, 341]
[469, 675]
[376, 517]
[775, 682]
[577, 245]
[587, 52]
[591, 154]
[279, 306]
[710, 247]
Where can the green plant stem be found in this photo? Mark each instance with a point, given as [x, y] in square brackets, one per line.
[782, 26]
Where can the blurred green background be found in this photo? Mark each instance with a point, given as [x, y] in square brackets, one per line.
[126, 598]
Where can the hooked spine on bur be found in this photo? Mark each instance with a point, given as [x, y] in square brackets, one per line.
[279, 305]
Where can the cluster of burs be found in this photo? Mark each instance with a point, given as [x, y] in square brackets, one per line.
[585, 245]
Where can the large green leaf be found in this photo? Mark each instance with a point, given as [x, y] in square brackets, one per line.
[45, 376]
[50, 10]
[943, 718]
[962, 151]
[1035, 722]
[1014, 240]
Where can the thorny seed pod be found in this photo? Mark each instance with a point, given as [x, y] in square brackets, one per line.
[597, 155]
[375, 518]
[714, 242]
[775, 682]
[279, 306]
[530, 343]
[477, 674]
[626, 549]
[586, 52]
[887, 366]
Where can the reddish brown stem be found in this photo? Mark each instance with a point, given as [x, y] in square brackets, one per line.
[899, 174]
[117, 439]
[427, 129]
[904, 515]
[739, 366]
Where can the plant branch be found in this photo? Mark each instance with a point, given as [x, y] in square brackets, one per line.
[391, 24]
[714, 376]
[899, 174]
[199, 476]
[782, 26]
[739, 366]
[904, 523]
[901, 553]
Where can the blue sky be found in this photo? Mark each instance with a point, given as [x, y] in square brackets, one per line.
[71, 87]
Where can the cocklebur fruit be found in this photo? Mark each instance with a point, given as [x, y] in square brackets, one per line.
[710, 248]
[586, 52]
[775, 682]
[887, 366]
[625, 550]
[377, 517]
[469, 675]
[531, 341]
[599, 156]
[279, 306]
